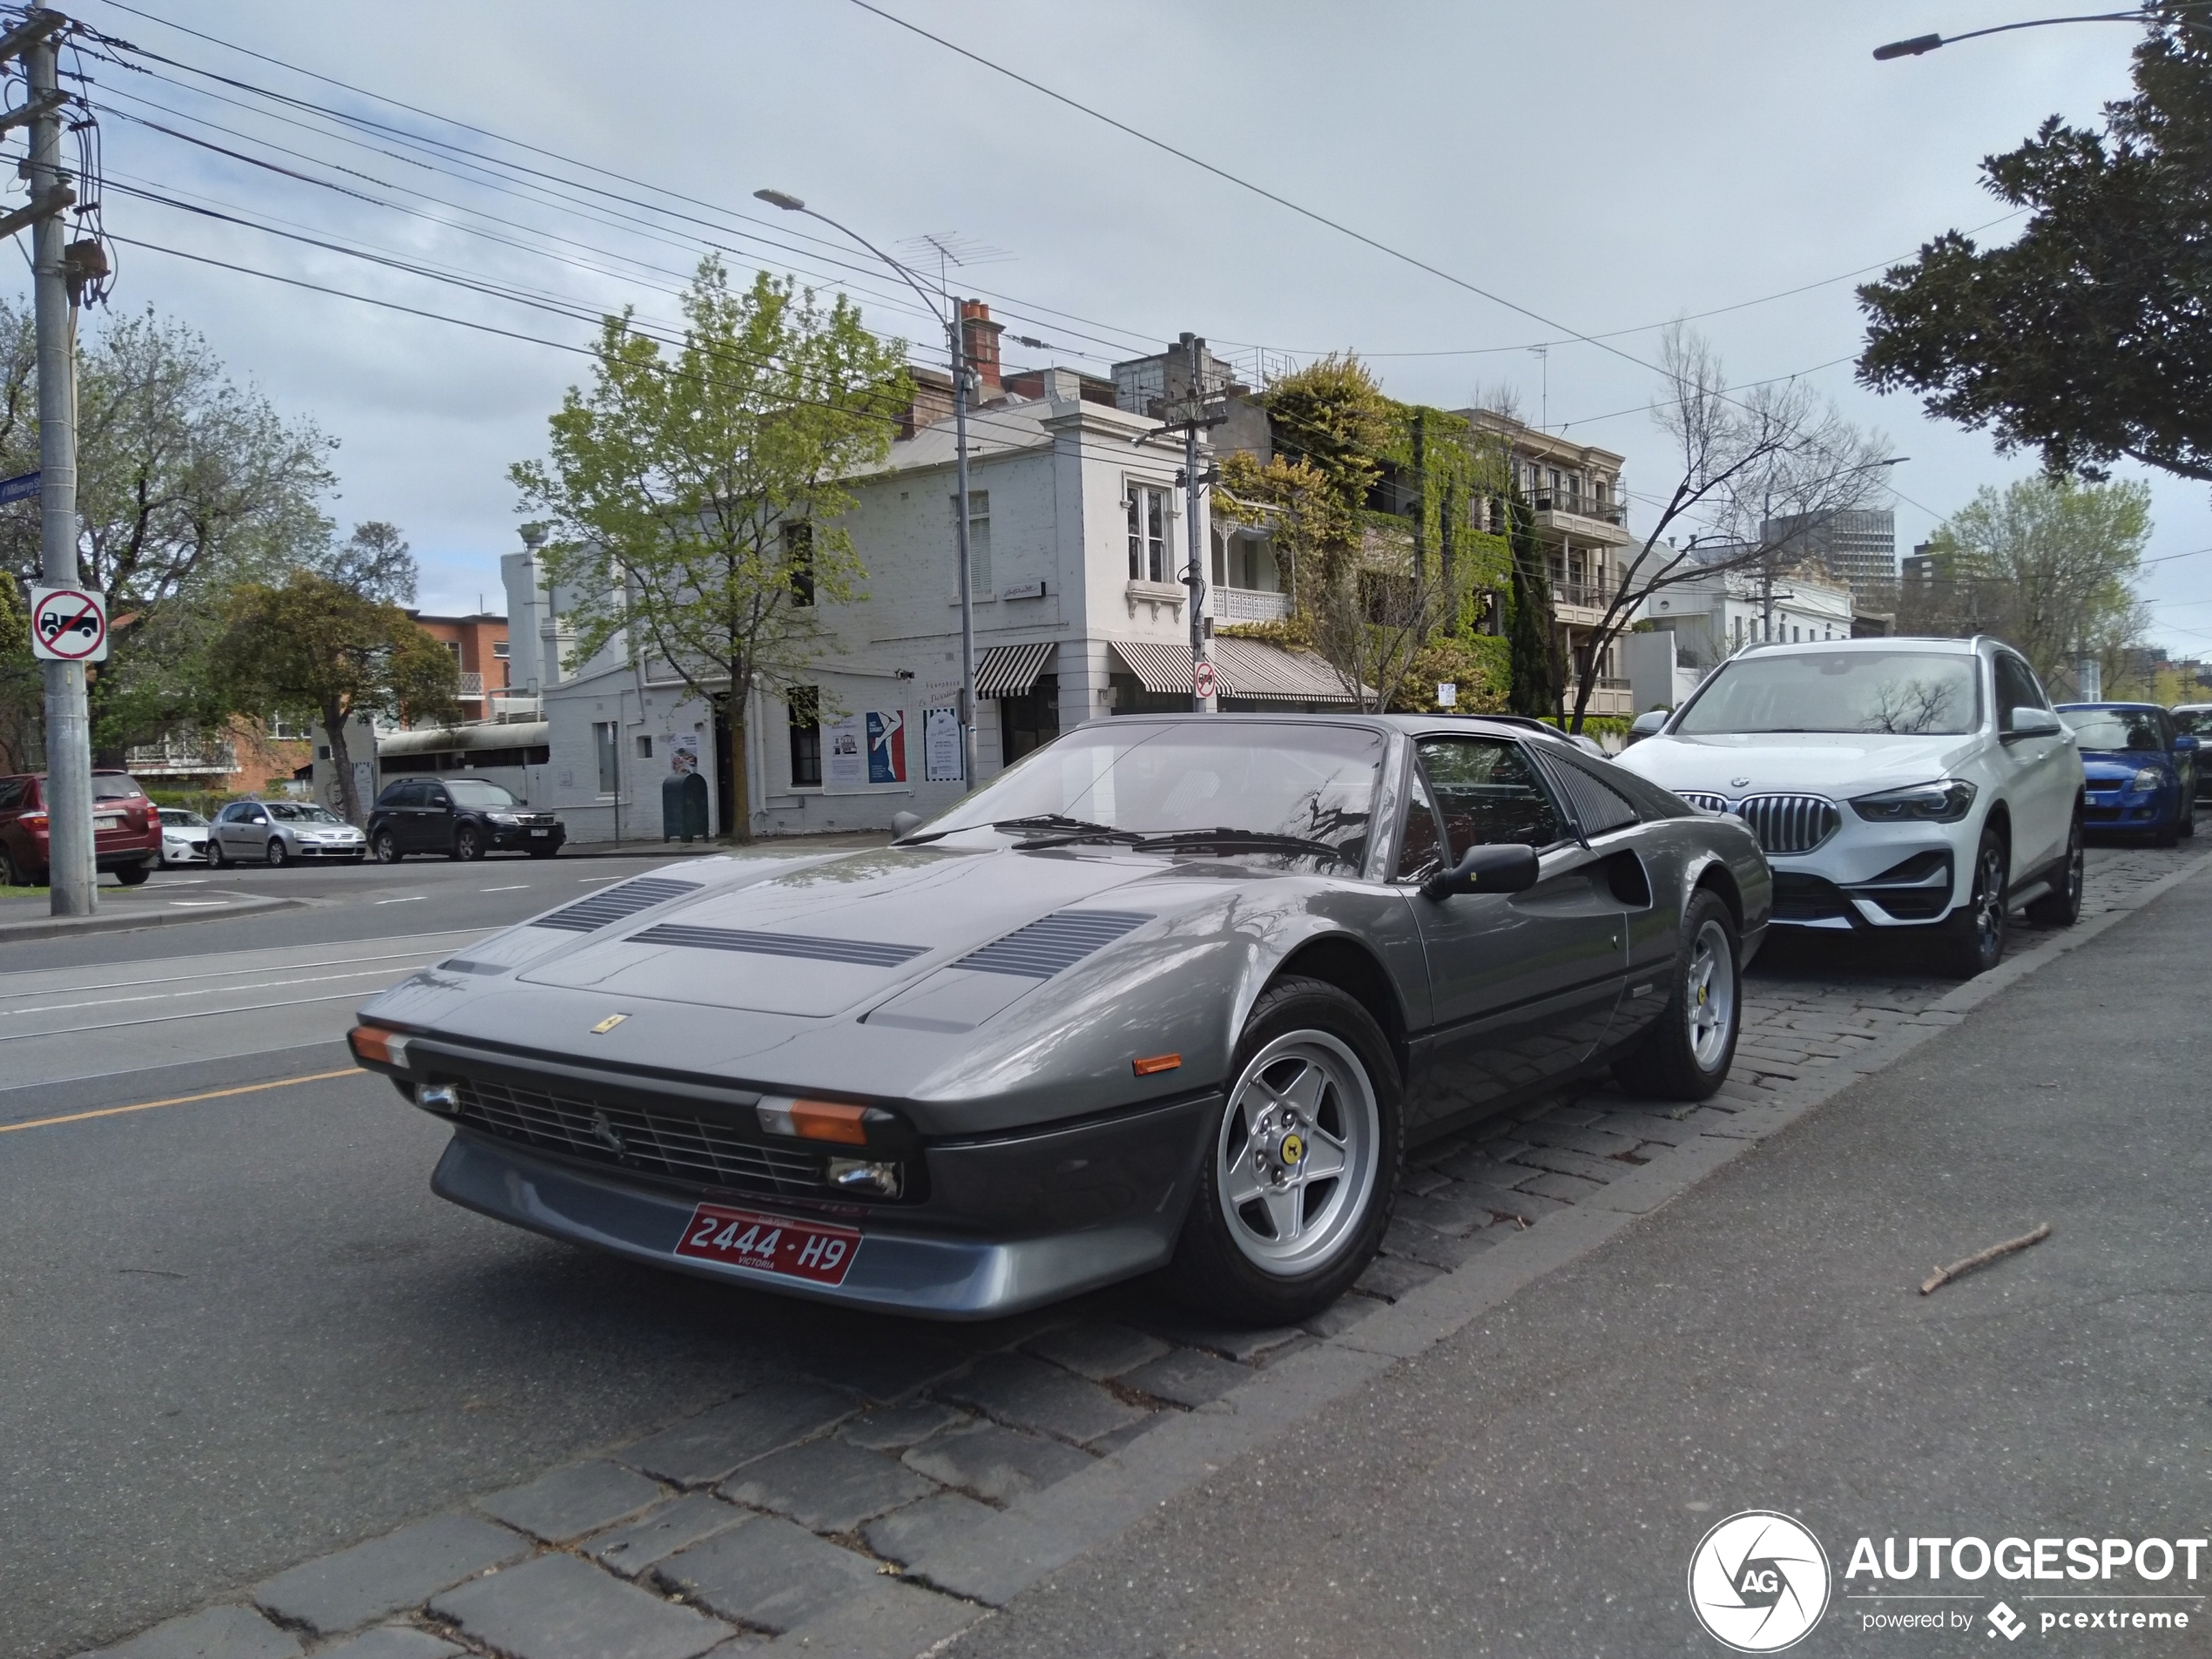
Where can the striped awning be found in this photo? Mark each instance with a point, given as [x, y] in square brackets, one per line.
[1009, 671]
[1247, 670]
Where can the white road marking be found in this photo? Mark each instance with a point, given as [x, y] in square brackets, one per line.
[589, 880]
[205, 990]
[413, 898]
[517, 887]
[163, 1019]
[270, 967]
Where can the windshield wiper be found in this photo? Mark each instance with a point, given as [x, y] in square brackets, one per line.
[1239, 841]
[1066, 832]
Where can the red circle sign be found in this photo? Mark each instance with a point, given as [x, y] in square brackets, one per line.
[69, 623]
[1205, 679]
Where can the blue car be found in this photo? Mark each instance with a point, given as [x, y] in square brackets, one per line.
[2141, 772]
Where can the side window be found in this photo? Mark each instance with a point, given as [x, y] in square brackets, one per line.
[1486, 793]
[1420, 851]
[2016, 689]
[1597, 803]
[11, 793]
[435, 797]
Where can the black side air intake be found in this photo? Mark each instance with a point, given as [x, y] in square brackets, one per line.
[587, 915]
[1053, 942]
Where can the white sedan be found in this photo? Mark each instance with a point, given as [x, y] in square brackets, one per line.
[184, 838]
[1893, 784]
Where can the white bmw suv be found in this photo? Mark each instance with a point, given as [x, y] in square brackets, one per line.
[1893, 784]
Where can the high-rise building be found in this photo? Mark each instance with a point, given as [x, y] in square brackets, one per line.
[1859, 549]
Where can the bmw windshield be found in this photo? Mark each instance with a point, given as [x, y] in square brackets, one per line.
[1901, 692]
[1312, 784]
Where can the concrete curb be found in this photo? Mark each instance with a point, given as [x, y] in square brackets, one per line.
[110, 921]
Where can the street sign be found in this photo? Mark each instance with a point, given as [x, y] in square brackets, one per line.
[68, 625]
[22, 487]
[1205, 679]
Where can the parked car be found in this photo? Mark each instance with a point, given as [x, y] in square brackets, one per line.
[2142, 772]
[1172, 991]
[2194, 721]
[126, 834]
[283, 831]
[1905, 784]
[184, 838]
[463, 818]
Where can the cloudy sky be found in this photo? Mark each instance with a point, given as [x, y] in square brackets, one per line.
[1606, 167]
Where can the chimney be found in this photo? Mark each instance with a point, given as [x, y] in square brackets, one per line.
[980, 341]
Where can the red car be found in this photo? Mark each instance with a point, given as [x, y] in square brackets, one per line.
[127, 830]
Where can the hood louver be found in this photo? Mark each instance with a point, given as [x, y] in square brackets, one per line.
[1053, 942]
[588, 915]
[861, 952]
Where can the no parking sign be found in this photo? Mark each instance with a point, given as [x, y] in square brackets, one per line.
[68, 625]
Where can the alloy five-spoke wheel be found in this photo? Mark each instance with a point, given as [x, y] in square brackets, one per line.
[1709, 1002]
[1294, 1163]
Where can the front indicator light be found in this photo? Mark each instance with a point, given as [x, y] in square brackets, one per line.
[852, 1174]
[1945, 801]
[1153, 1064]
[814, 1120]
[373, 1044]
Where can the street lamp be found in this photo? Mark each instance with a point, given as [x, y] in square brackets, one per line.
[958, 346]
[1920, 44]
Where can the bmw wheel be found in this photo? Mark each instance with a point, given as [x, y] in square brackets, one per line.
[2062, 907]
[1973, 937]
[1299, 1172]
[1686, 1054]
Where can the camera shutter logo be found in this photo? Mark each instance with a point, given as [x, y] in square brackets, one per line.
[1758, 1581]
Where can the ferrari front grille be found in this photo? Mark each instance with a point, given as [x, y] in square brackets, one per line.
[654, 1142]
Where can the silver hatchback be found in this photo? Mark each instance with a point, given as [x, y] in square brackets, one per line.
[281, 831]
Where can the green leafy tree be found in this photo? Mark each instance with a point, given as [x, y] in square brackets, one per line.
[186, 483]
[23, 687]
[694, 497]
[2047, 565]
[1536, 676]
[2089, 337]
[315, 646]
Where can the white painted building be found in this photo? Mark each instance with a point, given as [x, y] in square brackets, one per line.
[1696, 625]
[1078, 539]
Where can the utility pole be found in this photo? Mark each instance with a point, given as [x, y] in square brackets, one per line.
[959, 334]
[72, 870]
[1195, 414]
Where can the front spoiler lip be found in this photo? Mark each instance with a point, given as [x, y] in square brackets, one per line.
[896, 1270]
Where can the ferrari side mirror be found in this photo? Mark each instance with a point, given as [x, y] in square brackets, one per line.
[1506, 867]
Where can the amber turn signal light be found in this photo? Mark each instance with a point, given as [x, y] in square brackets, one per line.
[1152, 1063]
[374, 1043]
[814, 1120]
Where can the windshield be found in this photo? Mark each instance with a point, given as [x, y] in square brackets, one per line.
[1315, 782]
[2114, 730]
[178, 818]
[1919, 693]
[473, 791]
[307, 813]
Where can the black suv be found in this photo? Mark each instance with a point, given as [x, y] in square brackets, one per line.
[463, 818]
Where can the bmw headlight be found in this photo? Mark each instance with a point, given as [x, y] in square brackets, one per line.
[2146, 781]
[1945, 801]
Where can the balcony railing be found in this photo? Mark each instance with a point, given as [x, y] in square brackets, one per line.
[1249, 604]
[1592, 595]
[1608, 512]
[471, 686]
[181, 756]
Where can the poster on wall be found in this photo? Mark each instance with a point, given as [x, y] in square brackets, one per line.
[845, 761]
[887, 747]
[683, 751]
[940, 746]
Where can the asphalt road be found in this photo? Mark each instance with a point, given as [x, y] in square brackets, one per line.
[1537, 1484]
[238, 1330]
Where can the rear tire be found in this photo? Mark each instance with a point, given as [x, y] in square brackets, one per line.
[1687, 1054]
[132, 875]
[2062, 907]
[1971, 941]
[2188, 819]
[1307, 1147]
[12, 873]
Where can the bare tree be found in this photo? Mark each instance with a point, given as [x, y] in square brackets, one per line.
[1744, 458]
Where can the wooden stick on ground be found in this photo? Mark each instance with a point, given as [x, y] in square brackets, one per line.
[1943, 1275]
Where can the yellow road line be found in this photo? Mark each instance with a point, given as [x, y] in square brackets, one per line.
[183, 1100]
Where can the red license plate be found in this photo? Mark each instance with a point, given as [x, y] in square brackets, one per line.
[807, 1250]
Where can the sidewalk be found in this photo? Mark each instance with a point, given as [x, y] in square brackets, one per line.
[1536, 1483]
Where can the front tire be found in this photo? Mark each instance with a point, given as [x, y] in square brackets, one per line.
[1971, 941]
[278, 855]
[2188, 818]
[2062, 907]
[468, 843]
[216, 858]
[386, 847]
[1687, 1054]
[1299, 1176]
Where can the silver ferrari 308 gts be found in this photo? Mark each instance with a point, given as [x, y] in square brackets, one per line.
[1174, 992]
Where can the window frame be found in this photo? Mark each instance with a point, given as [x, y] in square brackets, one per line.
[1148, 502]
[1419, 784]
[806, 700]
